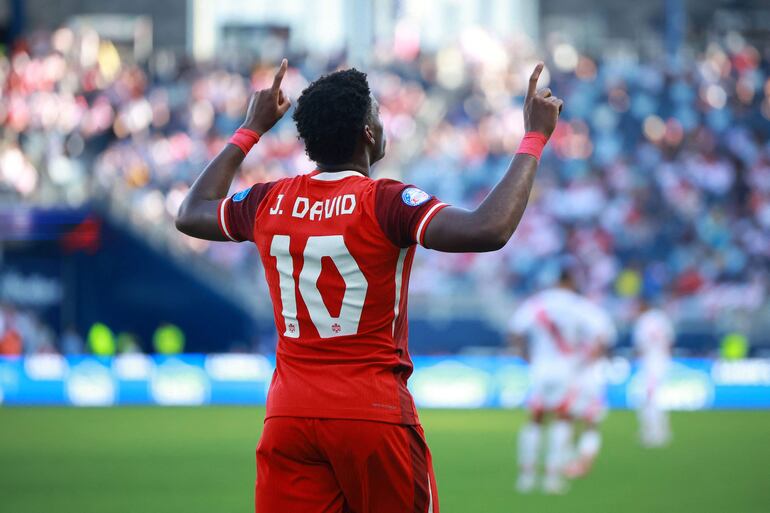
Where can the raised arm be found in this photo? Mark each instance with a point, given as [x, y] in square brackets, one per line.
[489, 227]
[197, 215]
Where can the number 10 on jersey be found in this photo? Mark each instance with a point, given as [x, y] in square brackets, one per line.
[306, 286]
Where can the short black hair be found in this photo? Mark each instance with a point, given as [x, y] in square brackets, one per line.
[331, 114]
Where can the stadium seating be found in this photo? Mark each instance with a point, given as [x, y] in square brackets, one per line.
[641, 145]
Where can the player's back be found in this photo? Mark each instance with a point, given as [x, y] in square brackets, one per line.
[551, 320]
[337, 249]
[598, 333]
[597, 328]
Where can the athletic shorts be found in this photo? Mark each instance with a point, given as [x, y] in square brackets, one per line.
[551, 395]
[588, 405]
[589, 402]
[309, 465]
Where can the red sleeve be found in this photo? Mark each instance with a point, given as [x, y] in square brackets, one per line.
[236, 213]
[404, 211]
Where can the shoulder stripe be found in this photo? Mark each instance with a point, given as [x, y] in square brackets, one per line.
[223, 219]
[425, 220]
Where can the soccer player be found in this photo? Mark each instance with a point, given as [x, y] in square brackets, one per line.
[589, 406]
[548, 325]
[341, 431]
[653, 337]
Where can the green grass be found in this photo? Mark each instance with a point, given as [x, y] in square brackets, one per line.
[158, 460]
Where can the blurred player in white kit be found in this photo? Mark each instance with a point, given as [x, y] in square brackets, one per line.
[547, 328]
[653, 337]
[589, 404]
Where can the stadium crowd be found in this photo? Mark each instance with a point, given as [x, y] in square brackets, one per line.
[656, 184]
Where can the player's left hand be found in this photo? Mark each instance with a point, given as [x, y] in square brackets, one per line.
[541, 108]
[267, 106]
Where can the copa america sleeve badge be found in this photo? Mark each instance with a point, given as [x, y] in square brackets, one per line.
[240, 196]
[414, 197]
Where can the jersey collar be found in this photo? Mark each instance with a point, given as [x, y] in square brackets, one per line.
[333, 176]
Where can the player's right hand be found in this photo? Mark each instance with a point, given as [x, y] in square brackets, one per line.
[267, 106]
[541, 108]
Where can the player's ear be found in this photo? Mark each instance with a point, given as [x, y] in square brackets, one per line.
[369, 135]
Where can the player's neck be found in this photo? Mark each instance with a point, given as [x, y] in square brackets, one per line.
[360, 167]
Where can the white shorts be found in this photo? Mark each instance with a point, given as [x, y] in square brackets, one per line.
[551, 394]
[589, 402]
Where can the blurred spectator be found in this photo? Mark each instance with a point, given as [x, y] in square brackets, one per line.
[128, 343]
[72, 342]
[734, 346]
[10, 340]
[101, 341]
[168, 339]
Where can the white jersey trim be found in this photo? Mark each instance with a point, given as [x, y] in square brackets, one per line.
[424, 222]
[223, 220]
[399, 280]
[334, 176]
[430, 496]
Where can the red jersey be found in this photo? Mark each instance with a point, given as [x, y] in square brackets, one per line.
[337, 250]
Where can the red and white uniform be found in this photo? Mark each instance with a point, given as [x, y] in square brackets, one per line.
[589, 401]
[337, 250]
[653, 337]
[551, 322]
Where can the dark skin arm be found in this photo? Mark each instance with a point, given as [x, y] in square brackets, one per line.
[197, 215]
[490, 226]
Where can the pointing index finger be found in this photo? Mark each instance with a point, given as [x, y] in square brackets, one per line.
[532, 87]
[279, 75]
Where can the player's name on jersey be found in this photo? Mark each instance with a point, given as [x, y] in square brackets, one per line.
[317, 210]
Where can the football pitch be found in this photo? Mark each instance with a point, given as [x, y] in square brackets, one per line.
[197, 460]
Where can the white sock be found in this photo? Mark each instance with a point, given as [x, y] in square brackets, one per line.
[661, 429]
[647, 422]
[529, 447]
[559, 435]
[665, 425]
[654, 424]
[589, 444]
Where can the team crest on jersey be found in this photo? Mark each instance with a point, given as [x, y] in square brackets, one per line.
[240, 196]
[414, 197]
